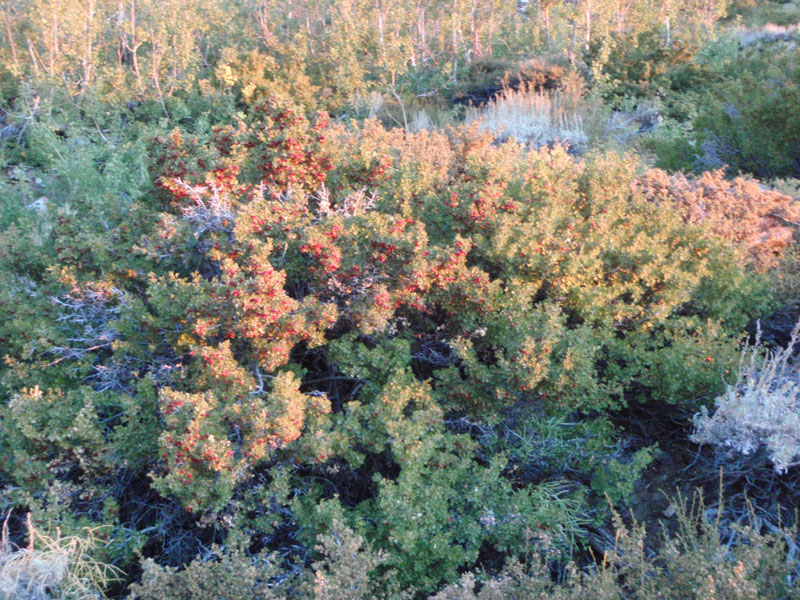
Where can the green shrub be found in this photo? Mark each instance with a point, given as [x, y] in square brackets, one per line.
[746, 118]
[287, 326]
[644, 65]
[695, 562]
[751, 123]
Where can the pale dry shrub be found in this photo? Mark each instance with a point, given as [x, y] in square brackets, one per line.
[419, 121]
[770, 32]
[787, 185]
[762, 410]
[532, 581]
[368, 105]
[87, 315]
[356, 203]
[52, 567]
[348, 570]
[623, 126]
[695, 562]
[221, 575]
[760, 221]
[534, 118]
[705, 558]
[209, 208]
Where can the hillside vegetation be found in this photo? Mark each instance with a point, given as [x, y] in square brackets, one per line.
[399, 300]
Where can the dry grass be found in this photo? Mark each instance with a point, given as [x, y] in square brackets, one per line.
[51, 567]
[420, 120]
[534, 118]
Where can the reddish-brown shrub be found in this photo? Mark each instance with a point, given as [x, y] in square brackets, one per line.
[761, 221]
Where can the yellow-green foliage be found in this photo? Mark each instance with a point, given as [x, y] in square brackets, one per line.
[50, 432]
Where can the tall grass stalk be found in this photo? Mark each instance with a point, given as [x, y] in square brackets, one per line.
[52, 567]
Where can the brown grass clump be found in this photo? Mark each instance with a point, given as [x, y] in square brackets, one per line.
[535, 74]
[760, 221]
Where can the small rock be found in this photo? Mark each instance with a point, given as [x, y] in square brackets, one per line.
[39, 205]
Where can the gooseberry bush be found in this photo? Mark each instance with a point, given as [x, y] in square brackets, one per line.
[301, 326]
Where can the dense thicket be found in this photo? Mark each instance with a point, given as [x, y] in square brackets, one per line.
[323, 52]
[275, 335]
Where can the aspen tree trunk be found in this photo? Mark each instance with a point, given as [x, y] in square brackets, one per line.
[573, 43]
[455, 24]
[156, 56]
[34, 57]
[53, 47]
[174, 65]
[475, 40]
[11, 43]
[122, 34]
[88, 59]
[133, 47]
[320, 17]
[422, 31]
[262, 19]
[381, 36]
[491, 29]
[546, 13]
[588, 23]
